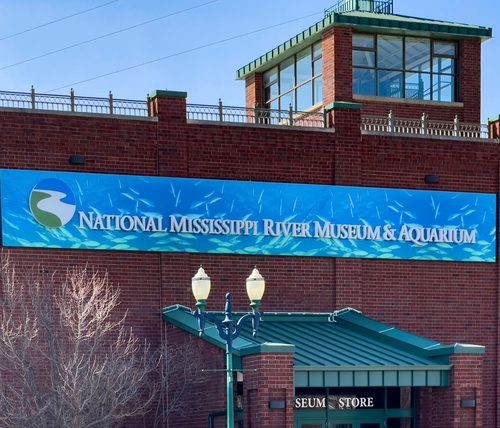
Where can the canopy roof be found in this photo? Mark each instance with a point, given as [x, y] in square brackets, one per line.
[343, 348]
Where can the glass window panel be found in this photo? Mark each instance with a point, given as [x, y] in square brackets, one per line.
[399, 398]
[443, 65]
[271, 92]
[363, 81]
[390, 52]
[286, 100]
[363, 41]
[287, 74]
[399, 423]
[274, 105]
[271, 76]
[443, 88]
[418, 86]
[390, 84]
[317, 50]
[318, 90]
[304, 96]
[363, 58]
[418, 54]
[304, 66]
[445, 48]
[318, 67]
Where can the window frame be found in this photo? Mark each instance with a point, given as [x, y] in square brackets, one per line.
[312, 80]
[405, 71]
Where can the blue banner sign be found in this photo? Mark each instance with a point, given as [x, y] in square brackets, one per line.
[117, 212]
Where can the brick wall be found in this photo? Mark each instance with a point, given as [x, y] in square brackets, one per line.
[268, 377]
[337, 83]
[441, 407]
[449, 302]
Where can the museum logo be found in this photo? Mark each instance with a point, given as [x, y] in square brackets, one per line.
[52, 203]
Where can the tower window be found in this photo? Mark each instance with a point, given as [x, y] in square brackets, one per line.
[404, 67]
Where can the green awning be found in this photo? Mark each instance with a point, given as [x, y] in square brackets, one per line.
[343, 348]
[365, 22]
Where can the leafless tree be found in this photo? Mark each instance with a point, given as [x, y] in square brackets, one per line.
[180, 369]
[66, 357]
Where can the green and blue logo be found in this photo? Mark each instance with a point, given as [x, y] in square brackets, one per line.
[52, 203]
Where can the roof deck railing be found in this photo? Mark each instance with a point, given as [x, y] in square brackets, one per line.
[424, 127]
[374, 6]
[73, 104]
[255, 116]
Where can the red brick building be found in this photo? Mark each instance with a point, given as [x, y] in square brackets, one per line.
[362, 99]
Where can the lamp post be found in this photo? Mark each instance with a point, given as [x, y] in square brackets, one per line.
[228, 329]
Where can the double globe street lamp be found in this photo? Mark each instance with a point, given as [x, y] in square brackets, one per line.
[228, 328]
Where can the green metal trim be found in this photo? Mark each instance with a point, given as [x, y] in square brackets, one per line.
[368, 22]
[183, 318]
[386, 376]
[493, 119]
[165, 93]
[343, 105]
[458, 348]
[268, 348]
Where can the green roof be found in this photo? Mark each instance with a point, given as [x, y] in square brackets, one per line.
[343, 348]
[365, 22]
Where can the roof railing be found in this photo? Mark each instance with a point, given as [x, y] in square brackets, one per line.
[424, 127]
[256, 116]
[73, 104]
[374, 6]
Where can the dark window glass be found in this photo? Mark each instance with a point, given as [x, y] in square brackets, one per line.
[390, 52]
[399, 423]
[418, 86]
[363, 41]
[418, 54]
[363, 81]
[390, 84]
[399, 398]
[363, 58]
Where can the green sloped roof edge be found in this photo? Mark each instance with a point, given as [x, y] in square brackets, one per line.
[365, 22]
[343, 348]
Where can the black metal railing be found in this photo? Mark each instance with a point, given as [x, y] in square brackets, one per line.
[374, 6]
[255, 116]
[72, 103]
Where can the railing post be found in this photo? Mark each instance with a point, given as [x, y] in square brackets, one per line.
[33, 98]
[149, 105]
[391, 122]
[221, 111]
[256, 113]
[110, 102]
[456, 126]
[425, 124]
[324, 118]
[72, 100]
[290, 115]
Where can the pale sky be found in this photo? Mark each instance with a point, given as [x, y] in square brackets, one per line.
[206, 73]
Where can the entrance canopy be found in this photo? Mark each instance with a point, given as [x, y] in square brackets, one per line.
[339, 349]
